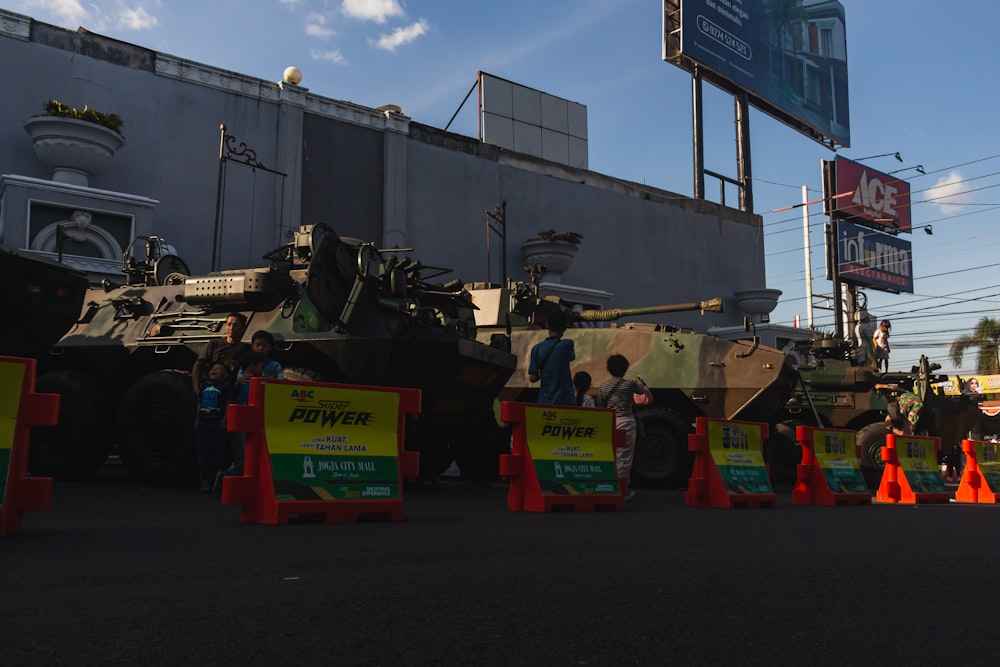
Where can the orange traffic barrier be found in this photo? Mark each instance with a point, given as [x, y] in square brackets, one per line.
[729, 469]
[562, 458]
[322, 452]
[21, 408]
[911, 474]
[830, 471]
[981, 476]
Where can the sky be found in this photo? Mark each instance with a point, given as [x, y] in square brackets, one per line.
[920, 82]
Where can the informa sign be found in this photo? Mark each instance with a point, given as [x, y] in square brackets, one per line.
[918, 459]
[332, 443]
[876, 260]
[836, 457]
[11, 382]
[571, 449]
[988, 459]
[736, 452]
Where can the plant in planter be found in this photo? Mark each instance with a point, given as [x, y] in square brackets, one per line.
[112, 121]
[74, 143]
[553, 250]
[553, 235]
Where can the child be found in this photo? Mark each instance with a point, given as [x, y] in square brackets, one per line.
[252, 366]
[582, 381]
[881, 342]
[619, 394]
[263, 343]
[213, 396]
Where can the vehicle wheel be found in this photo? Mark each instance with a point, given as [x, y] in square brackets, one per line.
[79, 444]
[783, 452]
[156, 429]
[871, 439]
[662, 459]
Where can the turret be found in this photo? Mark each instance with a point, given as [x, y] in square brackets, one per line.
[518, 307]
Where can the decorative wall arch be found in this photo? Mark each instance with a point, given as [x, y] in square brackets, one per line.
[79, 229]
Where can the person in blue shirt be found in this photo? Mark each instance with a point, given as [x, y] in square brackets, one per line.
[550, 363]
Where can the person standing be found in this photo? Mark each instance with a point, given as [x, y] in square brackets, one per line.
[550, 363]
[210, 424]
[619, 395]
[881, 342]
[226, 350]
[582, 382]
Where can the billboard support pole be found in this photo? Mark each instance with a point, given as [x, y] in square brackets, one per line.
[696, 133]
[834, 263]
[743, 164]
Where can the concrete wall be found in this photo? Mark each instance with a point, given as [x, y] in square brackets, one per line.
[369, 174]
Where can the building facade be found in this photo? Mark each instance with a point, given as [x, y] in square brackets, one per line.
[299, 158]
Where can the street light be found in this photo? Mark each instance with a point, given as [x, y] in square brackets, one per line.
[919, 168]
[872, 157]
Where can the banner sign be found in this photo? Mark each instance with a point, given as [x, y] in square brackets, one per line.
[736, 452]
[970, 385]
[11, 382]
[988, 459]
[836, 456]
[869, 197]
[332, 443]
[917, 458]
[571, 449]
[879, 261]
[791, 59]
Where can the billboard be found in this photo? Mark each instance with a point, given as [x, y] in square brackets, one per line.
[872, 259]
[529, 121]
[866, 196]
[790, 56]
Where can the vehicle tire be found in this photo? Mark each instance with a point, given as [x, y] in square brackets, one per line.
[871, 440]
[783, 452]
[156, 429]
[79, 444]
[662, 459]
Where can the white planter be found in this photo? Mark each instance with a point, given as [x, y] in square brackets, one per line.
[555, 256]
[757, 301]
[73, 149]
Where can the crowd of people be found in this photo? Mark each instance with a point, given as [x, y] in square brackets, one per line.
[221, 376]
[550, 364]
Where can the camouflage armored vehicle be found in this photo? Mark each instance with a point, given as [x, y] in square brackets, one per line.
[690, 374]
[337, 307]
[42, 299]
[848, 393]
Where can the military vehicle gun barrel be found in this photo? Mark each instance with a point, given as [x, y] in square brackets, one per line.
[612, 314]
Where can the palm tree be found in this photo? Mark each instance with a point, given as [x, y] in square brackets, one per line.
[986, 337]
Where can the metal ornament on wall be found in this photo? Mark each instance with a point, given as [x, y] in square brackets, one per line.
[238, 152]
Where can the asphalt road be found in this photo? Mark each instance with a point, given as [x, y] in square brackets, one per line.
[116, 573]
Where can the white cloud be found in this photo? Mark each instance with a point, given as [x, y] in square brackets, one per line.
[136, 19]
[371, 10]
[948, 192]
[334, 56]
[67, 12]
[316, 26]
[401, 36]
[290, 3]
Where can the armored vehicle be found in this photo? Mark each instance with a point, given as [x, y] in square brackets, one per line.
[690, 374]
[336, 306]
[847, 393]
[42, 298]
